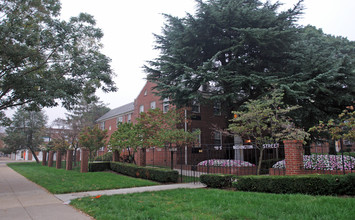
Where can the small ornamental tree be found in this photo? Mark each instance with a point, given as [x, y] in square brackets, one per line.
[160, 129]
[341, 128]
[265, 121]
[92, 138]
[128, 136]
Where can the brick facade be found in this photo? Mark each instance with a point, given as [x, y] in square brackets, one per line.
[205, 118]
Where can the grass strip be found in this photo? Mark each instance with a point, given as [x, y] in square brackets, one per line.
[65, 181]
[215, 204]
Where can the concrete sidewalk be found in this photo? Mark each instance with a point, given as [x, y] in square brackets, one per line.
[66, 198]
[20, 199]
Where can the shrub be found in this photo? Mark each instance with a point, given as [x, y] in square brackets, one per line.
[312, 184]
[106, 157]
[155, 174]
[99, 166]
[217, 180]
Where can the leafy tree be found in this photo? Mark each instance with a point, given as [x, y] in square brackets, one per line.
[26, 131]
[233, 51]
[153, 129]
[127, 136]
[341, 128]
[92, 138]
[265, 121]
[44, 60]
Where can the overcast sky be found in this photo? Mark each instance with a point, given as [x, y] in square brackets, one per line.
[128, 28]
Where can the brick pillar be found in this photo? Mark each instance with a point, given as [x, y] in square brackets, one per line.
[69, 164]
[141, 157]
[84, 161]
[29, 155]
[294, 157]
[44, 158]
[58, 163]
[77, 155]
[50, 158]
[115, 156]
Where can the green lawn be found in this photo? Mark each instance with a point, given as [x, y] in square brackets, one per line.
[216, 204]
[63, 181]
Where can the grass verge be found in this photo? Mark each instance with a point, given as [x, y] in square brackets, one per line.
[215, 204]
[63, 181]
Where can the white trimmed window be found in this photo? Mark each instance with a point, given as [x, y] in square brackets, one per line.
[195, 106]
[102, 125]
[153, 105]
[165, 105]
[217, 108]
[217, 138]
[129, 118]
[141, 108]
[119, 120]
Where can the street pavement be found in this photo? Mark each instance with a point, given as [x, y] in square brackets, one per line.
[21, 199]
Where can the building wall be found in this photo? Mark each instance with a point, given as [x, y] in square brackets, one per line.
[145, 98]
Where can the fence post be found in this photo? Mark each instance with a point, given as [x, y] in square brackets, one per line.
[69, 164]
[58, 163]
[294, 157]
[44, 158]
[84, 166]
[50, 158]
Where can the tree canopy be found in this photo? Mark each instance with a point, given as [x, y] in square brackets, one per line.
[45, 60]
[26, 131]
[233, 51]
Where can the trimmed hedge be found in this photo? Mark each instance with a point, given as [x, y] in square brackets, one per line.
[312, 184]
[217, 180]
[105, 157]
[155, 174]
[99, 166]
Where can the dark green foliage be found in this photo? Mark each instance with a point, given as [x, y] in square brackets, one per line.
[26, 131]
[217, 180]
[99, 166]
[312, 185]
[106, 157]
[237, 50]
[45, 60]
[155, 174]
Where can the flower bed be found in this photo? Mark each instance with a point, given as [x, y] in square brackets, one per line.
[225, 163]
[236, 167]
[323, 162]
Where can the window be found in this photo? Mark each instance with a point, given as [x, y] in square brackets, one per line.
[129, 118]
[152, 105]
[217, 108]
[145, 92]
[217, 138]
[198, 137]
[165, 105]
[109, 128]
[141, 108]
[119, 120]
[195, 106]
[102, 125]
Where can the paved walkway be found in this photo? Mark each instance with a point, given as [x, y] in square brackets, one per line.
[66, 198]
[21, 199]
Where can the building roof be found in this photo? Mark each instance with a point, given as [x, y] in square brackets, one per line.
[117, 111]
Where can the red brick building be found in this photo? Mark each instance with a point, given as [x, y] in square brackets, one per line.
[205, 118]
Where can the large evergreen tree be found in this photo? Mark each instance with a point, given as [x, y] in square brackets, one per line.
[233, 51]
[26, 131]
[44, 60]
[230, 49]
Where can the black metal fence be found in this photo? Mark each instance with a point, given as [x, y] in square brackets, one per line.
[192, 161]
